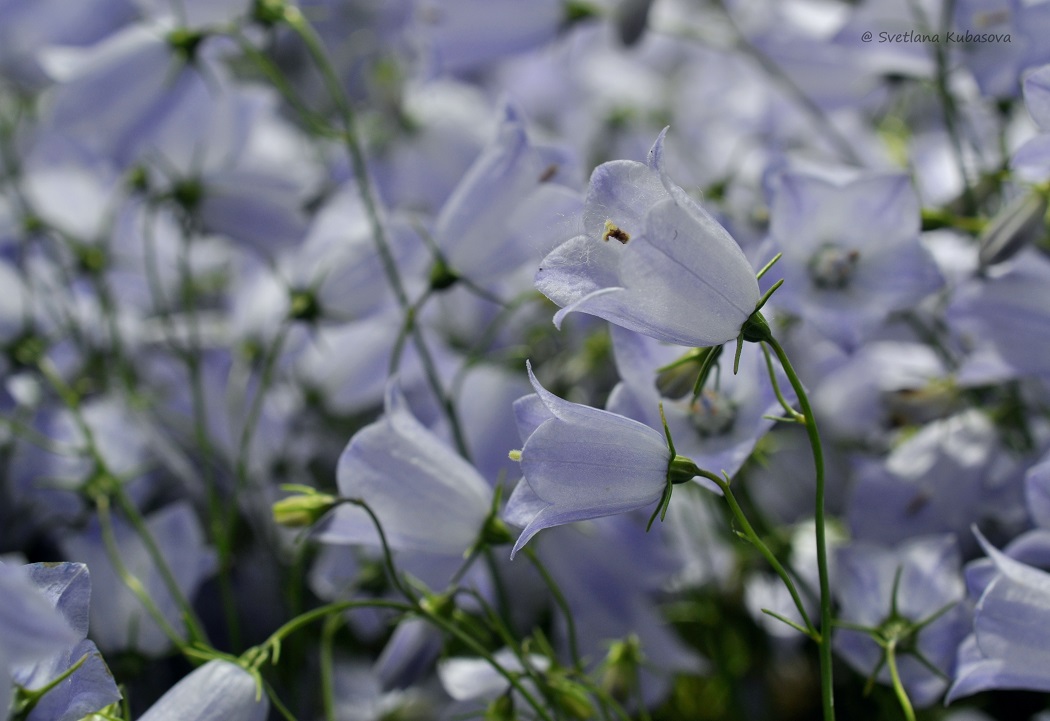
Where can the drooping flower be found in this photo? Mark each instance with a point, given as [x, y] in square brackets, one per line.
[651, 260]
[217, 691]
[580, 463]
[425, 495]
[1011, 638]
[32, 629]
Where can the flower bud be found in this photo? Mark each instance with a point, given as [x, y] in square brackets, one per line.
[502, 709]
[303, 510]
[571, 698]
[620, 671]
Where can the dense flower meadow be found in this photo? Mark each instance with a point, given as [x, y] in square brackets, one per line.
[412, 360]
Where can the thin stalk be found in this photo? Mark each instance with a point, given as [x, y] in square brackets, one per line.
[359, 165]
[127, 506]
[562, 603]
[758, 543]
[132, 583]
[820, 522]
[331, 625]
[898, 687]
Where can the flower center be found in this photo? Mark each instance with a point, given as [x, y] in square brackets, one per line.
[832, 267]
[713, 414]
[614, 231]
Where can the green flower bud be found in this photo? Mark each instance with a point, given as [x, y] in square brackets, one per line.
[620, 670]
[301, 511]
[570, 697]
[502, 709]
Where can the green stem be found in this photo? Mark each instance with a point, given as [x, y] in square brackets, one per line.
[798, 417]
[130, 581]
[826, 687]
[331, 625]
[949, 106]
[131, 512]
[359, 165]
[115, 488]
[562, 603]
[758, 543]
[473, 645]
[898, 687]
[190, 358]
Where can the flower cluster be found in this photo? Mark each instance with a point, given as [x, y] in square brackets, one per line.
[523, 359]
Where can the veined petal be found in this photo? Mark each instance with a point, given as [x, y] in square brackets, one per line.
[621, 192]
[689, 277]
[586, 463]
[577, 268]
[217, 691]
[424, 494]
[611, 464]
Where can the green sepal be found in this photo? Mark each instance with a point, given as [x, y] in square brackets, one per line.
[756, 329]
[442, 276]
[570, 697]
[681, 470]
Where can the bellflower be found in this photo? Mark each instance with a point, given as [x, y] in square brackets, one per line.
[938, 480]
[426, 496]
[511, 188]
[67, 587]
[851, 251]
[651, 260]
[911, 594]
[1006, 313]
[217, 691]
[1009, 646]
[32, 629]
[580, 462]
[1032, 160]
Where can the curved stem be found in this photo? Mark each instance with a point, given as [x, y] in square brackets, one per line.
[792, 413]
[359, 166]
[827, 691]
[132, 583]
[562, 603]
[101, 499]
[898, 687]
[758, 543]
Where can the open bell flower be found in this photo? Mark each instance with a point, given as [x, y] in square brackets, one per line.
[651, 260]
[580, 463]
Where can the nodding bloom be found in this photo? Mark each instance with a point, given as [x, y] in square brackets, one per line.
[580, 463]
[651, 260]
[425, 495]
[1011, 637]
[217, 691]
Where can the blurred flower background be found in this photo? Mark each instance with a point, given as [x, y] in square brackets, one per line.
[270, 275]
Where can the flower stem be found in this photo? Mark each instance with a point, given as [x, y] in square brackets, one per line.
[898, 687]
[826, 688]
[758, 543]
